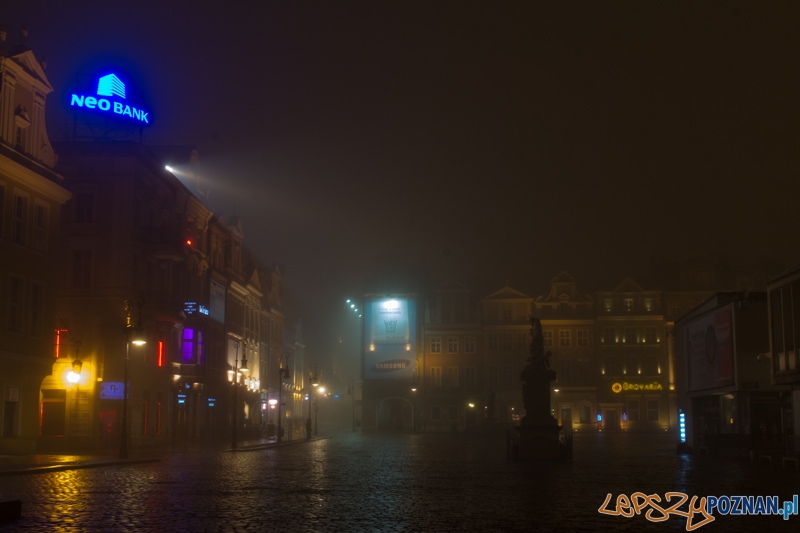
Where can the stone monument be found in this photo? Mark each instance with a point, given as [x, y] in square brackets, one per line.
[538, 430]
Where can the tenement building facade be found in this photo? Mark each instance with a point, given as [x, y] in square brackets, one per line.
[31, 196]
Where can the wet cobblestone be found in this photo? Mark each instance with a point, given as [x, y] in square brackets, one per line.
[386, 483]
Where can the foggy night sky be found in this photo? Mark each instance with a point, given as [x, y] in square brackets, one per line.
[493, 140]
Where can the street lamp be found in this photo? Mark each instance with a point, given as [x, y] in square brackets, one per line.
[74, 375]
[235, 384]
[133, 335]
[283, 372]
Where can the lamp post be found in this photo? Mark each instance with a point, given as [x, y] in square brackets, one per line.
[235, 384]
[133, 335]
[320, 390]
[314, 383]
[283, 372]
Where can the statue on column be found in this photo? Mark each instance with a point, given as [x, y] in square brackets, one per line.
[536, 376]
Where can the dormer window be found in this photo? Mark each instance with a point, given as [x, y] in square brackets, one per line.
[23, 122]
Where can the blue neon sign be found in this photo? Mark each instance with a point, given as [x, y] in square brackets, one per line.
[111, 87]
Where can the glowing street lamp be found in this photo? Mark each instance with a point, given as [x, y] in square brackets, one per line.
[74, 375]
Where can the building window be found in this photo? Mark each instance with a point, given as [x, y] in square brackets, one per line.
[609, 336]
[584, 371]
[585, 414]
[452, 376]
[563, 337]
[648, 304]
[633, 410]
[650, 334]
[452, 344]
[81, 268]
[629, 304]
[630, 335]
[611, 366]
[675, 308]
[583, 337]
[469, 343]
[651, 365]
[522, 341]
[36, 309]
[40, 219]
[493, 376]
[565, 373]
[15, 301]
[19, 141]
[436, 413]
[469, 377]
[84, 207]
[608, 304]
[493, 341]
[436, 345]
[19, 215]
[547, 338]
[506, 377]
[192, 349]
[507, 317]
[436, 376]
[652, 410]
[508, 341]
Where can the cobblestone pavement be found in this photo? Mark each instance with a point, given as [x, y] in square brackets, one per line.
[391, 482]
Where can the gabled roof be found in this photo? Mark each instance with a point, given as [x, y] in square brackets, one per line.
[255, 280]
[628, 285]
[507, 293]
[29, 63]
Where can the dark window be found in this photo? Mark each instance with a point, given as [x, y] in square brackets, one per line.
[84, 207]
[81, 268]
[652, 410]
[633, 410]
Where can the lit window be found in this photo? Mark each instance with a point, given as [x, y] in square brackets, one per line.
[493, 341]
[436, 376]
[436, 345]
[583, 337]
[564, 337]
[469, 344]
[452, 344]
[508, 341]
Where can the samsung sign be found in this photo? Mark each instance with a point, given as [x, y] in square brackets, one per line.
[112, 88]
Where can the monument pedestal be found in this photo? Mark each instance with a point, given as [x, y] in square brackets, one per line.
[539, 441]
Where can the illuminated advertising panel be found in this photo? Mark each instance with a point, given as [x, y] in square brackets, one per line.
[111, 99]
[390, 326]
[111, 390]
[709, 351]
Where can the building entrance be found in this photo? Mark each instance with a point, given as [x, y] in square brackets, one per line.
[395, 414]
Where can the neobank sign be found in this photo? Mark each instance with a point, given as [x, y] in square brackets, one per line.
[110, 86]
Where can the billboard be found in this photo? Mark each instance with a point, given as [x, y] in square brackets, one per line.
[390, 333]
[709, 351]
